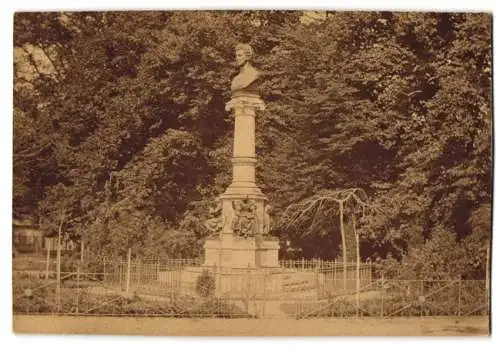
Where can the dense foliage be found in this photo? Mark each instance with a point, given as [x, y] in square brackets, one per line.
[120, 131]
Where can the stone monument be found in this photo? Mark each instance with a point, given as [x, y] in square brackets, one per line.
[239, 220]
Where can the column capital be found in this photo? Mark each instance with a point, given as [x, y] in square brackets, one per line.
[245, 101]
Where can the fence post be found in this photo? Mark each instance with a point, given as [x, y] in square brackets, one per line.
[303, 263]
[383, 295]
[335, 274]
[77, 286]
[357, 271]
[487, 279]
[128, 270]
[157, 274]
[344, 247]
[47, 267]
[104, 270]
[459, 296]
[421, 296]
[120, 273]
[138, 266]
[58, 274]
[317, 280]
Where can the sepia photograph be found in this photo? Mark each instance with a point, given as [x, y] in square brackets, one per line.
[252, 173]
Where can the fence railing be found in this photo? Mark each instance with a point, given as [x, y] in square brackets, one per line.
[396, 298]
[299, 289]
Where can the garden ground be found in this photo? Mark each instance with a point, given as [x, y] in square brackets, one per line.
[400, 326]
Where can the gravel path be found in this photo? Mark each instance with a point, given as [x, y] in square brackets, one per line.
[401, 326]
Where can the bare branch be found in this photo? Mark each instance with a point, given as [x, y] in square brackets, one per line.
[309, 209]
[30, 58]
[57, 70]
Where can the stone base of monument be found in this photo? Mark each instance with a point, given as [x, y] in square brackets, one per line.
[270, 292]
[254, 283]
[242, 253]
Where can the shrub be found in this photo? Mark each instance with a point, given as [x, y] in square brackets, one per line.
[205, 284]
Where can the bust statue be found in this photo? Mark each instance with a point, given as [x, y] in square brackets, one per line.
[246, 80]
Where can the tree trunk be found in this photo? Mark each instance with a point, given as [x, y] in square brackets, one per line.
[129, 263]
[47, 265]
[358, 264]
[487, 276]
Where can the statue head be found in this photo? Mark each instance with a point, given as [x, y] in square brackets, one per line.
[244, 53]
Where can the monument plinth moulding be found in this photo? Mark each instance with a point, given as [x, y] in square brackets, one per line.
[239, 218]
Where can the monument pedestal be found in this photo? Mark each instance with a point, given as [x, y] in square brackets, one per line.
[242, 242]
[242, 253]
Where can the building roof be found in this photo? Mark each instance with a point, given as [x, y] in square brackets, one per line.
[24, 222]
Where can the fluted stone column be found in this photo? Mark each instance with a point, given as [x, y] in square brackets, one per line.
[244, 109]
[236, 252]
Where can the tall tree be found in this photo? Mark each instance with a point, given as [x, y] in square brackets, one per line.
[398, 104]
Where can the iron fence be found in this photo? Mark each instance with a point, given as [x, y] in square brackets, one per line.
[299, 289]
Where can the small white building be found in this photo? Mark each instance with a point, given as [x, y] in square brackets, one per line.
[27, 237]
